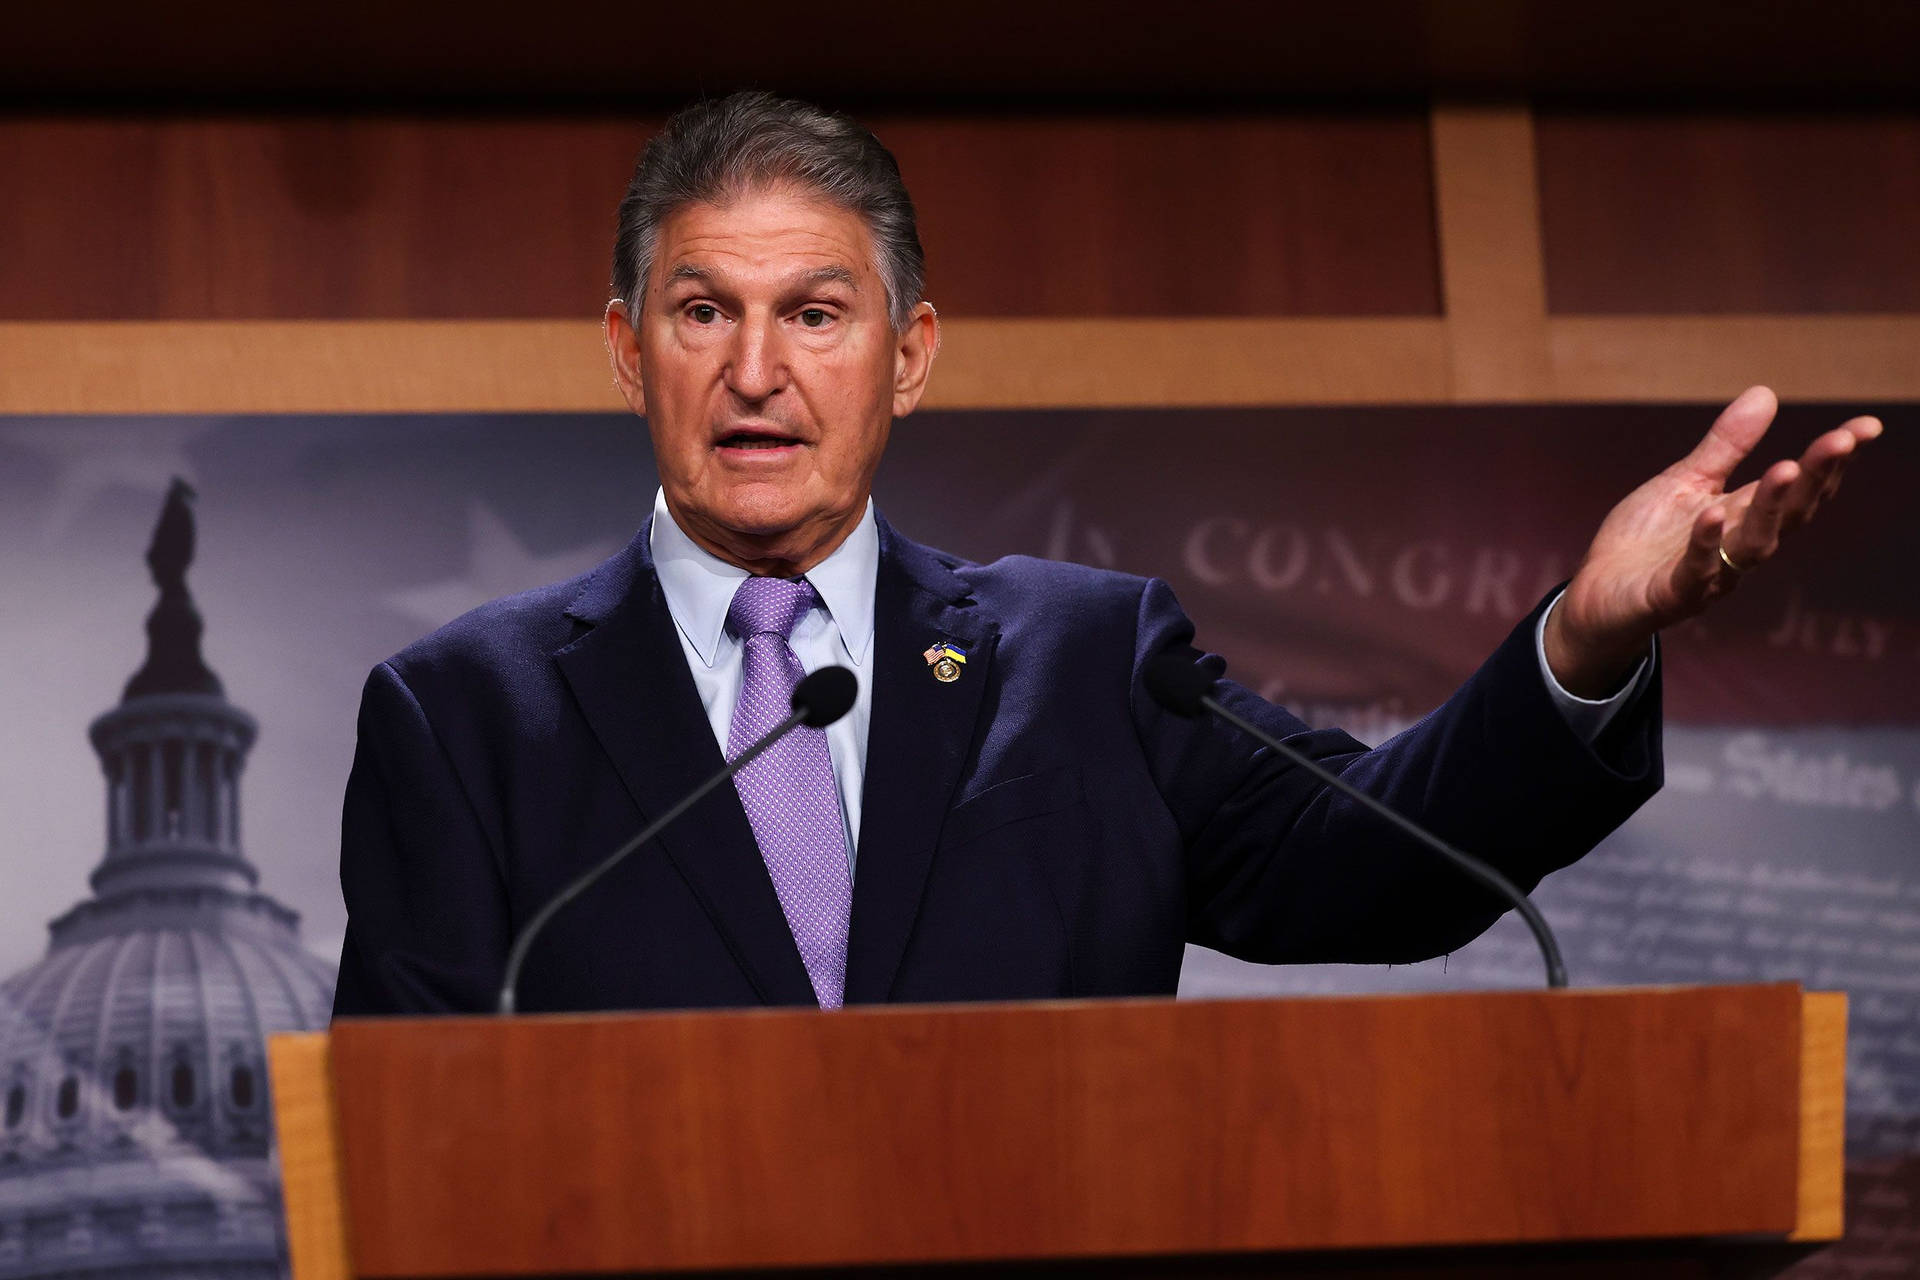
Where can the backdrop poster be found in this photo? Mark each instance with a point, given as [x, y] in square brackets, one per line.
[1354, 564]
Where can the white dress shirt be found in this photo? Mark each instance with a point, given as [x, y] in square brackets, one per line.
[699, 587]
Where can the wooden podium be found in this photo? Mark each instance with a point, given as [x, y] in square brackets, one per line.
[1683, 1130]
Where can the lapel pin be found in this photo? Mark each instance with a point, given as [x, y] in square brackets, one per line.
[946, 658]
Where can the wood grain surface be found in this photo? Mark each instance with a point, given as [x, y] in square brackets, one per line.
[411, 366]
[1327, 213]
[1493, 286]
[546, 1145]
[348, 217]
[1695, 212]
[1823, 1116]
[1055, 230]
[1856, 359]
[303, 1121]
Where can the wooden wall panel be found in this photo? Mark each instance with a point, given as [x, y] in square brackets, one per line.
[308, 219]
[504, 366]
[419, 265]
[1696, 213]
[1321, 214]
[364, 218]
[1491, 273]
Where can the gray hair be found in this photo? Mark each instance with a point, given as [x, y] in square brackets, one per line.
[715, 151]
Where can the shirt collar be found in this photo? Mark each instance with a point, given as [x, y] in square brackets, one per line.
[699, 586]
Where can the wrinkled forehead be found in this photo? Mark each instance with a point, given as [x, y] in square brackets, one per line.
[777, 235]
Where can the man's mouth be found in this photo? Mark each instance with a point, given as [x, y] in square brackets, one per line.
[749, 438]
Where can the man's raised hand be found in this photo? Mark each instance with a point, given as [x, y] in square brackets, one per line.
[1681, 540]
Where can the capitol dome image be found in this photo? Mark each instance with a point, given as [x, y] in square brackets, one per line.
[136, 1135]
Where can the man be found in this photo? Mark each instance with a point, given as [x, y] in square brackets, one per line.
[1004, 813]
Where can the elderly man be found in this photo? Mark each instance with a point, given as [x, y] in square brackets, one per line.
[1004, 813]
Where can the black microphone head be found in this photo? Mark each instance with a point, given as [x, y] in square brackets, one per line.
[825, 696]
[1176, 684]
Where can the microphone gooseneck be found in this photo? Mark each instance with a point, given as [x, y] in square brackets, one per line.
[1186, 690]
[818, 700]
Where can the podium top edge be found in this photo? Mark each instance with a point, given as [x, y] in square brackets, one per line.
[1069, 1007]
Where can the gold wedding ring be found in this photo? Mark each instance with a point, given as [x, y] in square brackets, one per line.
[1727, 560]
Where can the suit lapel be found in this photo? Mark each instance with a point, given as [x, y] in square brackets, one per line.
[629, 675]
[919, 740]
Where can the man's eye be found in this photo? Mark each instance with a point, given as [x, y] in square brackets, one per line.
[703, 313]
[814, 317]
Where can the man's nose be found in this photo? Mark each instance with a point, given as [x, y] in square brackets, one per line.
[757, 365]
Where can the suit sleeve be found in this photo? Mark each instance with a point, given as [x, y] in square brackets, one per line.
[1283, 869]
[427, 921]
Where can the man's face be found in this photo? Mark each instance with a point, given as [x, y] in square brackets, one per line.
[765, 362]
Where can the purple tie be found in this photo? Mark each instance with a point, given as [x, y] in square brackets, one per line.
[788, 791]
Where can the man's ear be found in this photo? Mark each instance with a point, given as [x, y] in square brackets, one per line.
[913, 354]
[623, 351]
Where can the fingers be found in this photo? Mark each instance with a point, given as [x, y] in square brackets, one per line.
[1823, 465]
[1863, 428]
[1821, 468]
[1701, 569]
[1734, 532]
[1861, 431]
[1753, 537]
[1733, 434]
[1786, 497]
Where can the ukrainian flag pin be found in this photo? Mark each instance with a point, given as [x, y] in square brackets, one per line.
[946, 658]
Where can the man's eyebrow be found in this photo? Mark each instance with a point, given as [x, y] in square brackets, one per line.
[687, 271]
[829, 275]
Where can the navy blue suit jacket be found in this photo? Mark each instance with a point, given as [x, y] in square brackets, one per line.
[1038, 828]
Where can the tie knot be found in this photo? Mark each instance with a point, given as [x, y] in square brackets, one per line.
[765, 606]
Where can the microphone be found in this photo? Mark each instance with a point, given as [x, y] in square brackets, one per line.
[818, 700]
[1186, 690]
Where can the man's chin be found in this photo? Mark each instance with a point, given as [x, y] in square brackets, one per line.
[768, 527]
[766, 522]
